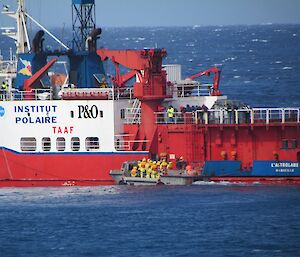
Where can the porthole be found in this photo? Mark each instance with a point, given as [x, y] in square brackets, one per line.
[46, 144]
[60, 144]
[75, 144]
[28, 144]
[92, 143]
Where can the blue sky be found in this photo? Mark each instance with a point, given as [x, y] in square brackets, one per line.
[54, 13]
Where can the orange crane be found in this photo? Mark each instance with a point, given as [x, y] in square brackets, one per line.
[217, 77]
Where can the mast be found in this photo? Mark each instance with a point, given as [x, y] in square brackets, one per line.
[83, 22]
[21, 34]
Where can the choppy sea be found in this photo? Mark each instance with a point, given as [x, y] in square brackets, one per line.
[260, 66]
[198, 220]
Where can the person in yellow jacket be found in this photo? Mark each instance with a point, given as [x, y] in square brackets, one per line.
[149, 172]
[163, 166]
[154, 169]
[170, 114]
[4, 90]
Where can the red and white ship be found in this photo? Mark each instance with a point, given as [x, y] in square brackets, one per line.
[72, 128]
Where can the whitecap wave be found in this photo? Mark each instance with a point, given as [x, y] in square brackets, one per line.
[221, 183]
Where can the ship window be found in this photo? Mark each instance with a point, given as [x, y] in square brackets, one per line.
[92, 143]
[46, 144]
[60, 144]
[294, 144]
[285, 144]
[28, 144]
[122, 114]
[75, 143]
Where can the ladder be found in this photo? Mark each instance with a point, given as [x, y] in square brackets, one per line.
[134, 113]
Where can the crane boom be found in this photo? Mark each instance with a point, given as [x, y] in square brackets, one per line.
[217, 77]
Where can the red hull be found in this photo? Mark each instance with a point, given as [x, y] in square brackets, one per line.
[92, 169]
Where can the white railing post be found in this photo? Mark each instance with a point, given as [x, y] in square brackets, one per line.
[283, 116]
[236, 112]
[196, 117]
[267, 116]
[221, 117]
[205, 115]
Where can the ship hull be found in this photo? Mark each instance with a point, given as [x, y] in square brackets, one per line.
[67, 169]
[262, 172]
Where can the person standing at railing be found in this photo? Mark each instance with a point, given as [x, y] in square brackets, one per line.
[170, 114]
[4, 90]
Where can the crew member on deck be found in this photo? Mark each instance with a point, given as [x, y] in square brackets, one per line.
[170, 114]
[4, 89]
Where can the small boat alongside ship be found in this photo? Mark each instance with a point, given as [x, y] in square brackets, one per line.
[169, 177]
[76, 127]
[276, 173]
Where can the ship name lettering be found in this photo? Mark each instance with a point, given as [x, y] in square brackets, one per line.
[284, 170]
[37, 120]
[35, 108]
[88, 112]
[62, 130]
[285, 165]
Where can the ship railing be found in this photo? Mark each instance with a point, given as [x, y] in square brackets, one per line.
[178, 118]
[232, 116]
[92, 93]
[248, 116]
[187, 88]
[17, 95]
[124, 143]
[123, 93]
[275, 115]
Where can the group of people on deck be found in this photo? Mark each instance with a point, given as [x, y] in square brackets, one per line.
[173, 114]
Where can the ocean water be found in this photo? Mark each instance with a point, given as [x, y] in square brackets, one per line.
[198, 220]
[260, 66]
